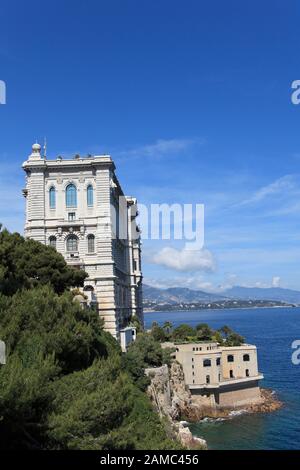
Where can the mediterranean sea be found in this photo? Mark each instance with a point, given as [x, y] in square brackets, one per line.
[272, 330]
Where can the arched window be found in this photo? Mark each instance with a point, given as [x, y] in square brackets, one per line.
[206, 363]
[52, 241]
[246, 358]
[52, 198]
[71, 195]
[91, 243]
[230, 358]
[89, 293]
[207, 379]
[90, 195]
[247, 373]
[72, 243]
[231, 374]
[218, 361]
[88, 288]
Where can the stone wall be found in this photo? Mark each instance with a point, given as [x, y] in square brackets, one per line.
[237, 396]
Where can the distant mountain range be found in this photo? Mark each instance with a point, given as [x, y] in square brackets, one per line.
[177, 295]
[259, 293]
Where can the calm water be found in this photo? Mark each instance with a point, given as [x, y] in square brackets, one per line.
[273, 331]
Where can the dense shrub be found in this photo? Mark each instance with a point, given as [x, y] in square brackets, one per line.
[202, 332]
[64, 385]
[26, 263]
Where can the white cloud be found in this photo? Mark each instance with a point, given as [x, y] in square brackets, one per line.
[192, 282]
[162, 147]
[185, 260]
[281, 185]
[276, 281]
[198, 282]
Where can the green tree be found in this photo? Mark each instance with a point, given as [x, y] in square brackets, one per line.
[225, 330]
[217, 336]
[144, 352]
[26, 263]
[25, 400]
[66, 384]
[183, 332]
[41, 321]
[158, 333]
[100, 409]
[89, 404]
[168, 354]
[167, 327]
[234, 339]
[204, 332]
[136, 323]
[147, 349]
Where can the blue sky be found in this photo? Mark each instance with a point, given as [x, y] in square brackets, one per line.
[193, 101]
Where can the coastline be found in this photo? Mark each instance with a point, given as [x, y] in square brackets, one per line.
[195, 413]
[173, 401]
[218, 309]
[269, 404]
[252, 430]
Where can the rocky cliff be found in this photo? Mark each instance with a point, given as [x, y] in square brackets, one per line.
[173, 400]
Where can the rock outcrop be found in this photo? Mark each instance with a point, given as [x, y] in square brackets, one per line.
[187, 439]
[173, 400]
[269, 403]
[159, 389]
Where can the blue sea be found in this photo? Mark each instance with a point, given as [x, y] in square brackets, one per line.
[272, 330]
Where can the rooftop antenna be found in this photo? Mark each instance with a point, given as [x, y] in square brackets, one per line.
[45, 147]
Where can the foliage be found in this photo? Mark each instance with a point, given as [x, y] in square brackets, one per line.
[144, 352]
[26, 263]
[225, 330]
[167, 355]
[158, 333]
[143, 428]
[230, 338]
[183, 332]
[110, 414]
[167, 327]
[64, 385]
[39, 321]
[89, 404]
[135, 322]
[217, 336]
[25, 400]
[234, 339]
[202, 332]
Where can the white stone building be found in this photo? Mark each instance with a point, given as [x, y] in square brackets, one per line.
[228, 376]
[77, 206]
